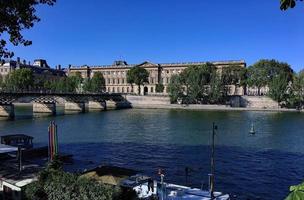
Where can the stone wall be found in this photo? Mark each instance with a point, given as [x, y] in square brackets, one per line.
[147, 101]
[258, 102]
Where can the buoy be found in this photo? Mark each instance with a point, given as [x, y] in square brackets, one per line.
[252, 131]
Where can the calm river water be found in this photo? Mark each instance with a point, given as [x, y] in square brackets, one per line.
[260, 166]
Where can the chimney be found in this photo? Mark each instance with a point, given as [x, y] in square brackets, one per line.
[70, 66]
[56, 67]
[24, 62]
[59, 67]
[18, 60]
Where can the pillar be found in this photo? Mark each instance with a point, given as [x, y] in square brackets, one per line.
[74, 106]
[7, 110]
[97, 105]
[44, 107]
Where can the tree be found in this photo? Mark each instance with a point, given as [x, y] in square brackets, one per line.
[159, 87]
[262, 72]
[16, 16]
[20, 80]
[296, 96]
[96, 84]
[285, 4]
[217, 91]
[175, 88]
[138, 76]
[278, 87]
[234, 75]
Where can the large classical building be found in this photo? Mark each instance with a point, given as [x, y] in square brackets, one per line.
[116, 75]
[39, 67]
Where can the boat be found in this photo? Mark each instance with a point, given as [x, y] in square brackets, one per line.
[168, 191]
[252, 130]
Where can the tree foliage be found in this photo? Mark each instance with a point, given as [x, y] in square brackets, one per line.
[55, 184]
[285, 4]
[19, 80]
[262, 72]
[17, 15]
[96, 84]
[137, 75]
[198, 84]
[278, 88]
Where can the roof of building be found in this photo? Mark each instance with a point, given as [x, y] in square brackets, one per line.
[148, 63]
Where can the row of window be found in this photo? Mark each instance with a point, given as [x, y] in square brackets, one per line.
[118, 81]
[125, 90]
[4, 70]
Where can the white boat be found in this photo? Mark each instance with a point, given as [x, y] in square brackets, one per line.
[176, 192]
[146, 188]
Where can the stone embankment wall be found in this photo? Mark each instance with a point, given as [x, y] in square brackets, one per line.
[258, 102]
[250, 102]
[147, 101]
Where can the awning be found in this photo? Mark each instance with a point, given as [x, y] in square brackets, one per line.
[6, 148]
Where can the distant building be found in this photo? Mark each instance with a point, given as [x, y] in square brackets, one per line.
[116, 79]
[40, 68]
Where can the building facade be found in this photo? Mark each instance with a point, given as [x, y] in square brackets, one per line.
[40, 69]
[116, 75]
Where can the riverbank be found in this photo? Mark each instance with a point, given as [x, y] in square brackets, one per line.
[210, 107]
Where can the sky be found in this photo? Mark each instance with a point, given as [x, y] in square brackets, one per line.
[97, 32]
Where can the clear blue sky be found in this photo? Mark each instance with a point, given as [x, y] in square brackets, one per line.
[97, 32]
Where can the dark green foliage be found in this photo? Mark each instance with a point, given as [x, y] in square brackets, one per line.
[55, 184]
[175, 88]
[262, 73]
[96, 84]
[17, 15]
[137, 75]
[278, 87]
[217, 92]
[19, 80]
[198, 84]
[285, 4]
[159, 87]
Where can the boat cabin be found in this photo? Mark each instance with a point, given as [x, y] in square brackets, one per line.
[18, 140]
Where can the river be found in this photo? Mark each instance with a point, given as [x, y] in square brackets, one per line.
[260, 166]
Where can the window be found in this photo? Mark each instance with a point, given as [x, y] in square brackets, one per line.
[123, 90]
[118, 89]
[151, 89]
[118, 81]
[113, 89]
[123, 81]
[127, 89]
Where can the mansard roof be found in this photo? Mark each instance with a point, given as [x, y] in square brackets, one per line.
[150, 64]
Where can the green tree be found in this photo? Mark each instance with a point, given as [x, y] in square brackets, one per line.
[218, 91]
[137, 75]
[175, 88]
[159, 87]
[20, 80]
[261, 73]
[98, 84]
[285, 4]
[296, 96]
[196, 80]
[278, 88]
[17, 15]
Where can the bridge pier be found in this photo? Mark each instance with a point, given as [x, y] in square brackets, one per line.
[44, 107]
[97, 105]
[113, 105]
[7, 110]
[70, 106]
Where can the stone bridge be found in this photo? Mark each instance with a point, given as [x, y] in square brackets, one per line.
[45, 102]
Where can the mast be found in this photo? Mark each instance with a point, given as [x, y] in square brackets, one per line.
[211, 175]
